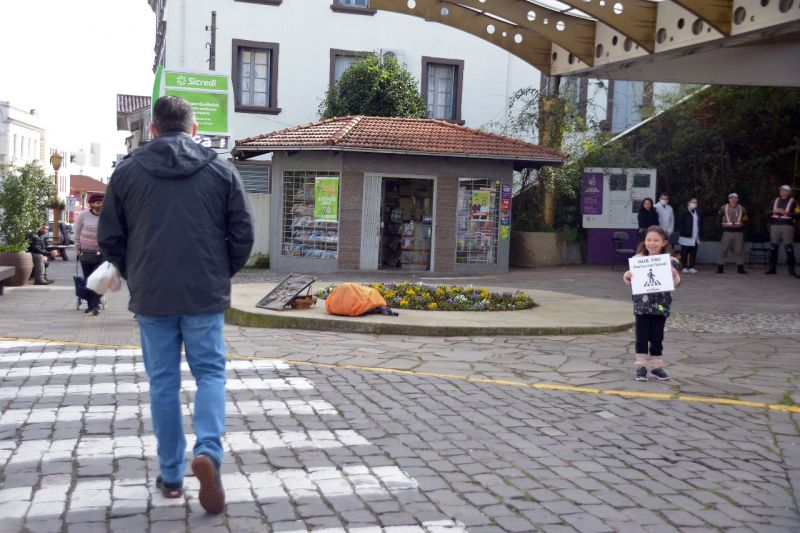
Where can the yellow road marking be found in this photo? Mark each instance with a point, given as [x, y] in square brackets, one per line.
[489, 381]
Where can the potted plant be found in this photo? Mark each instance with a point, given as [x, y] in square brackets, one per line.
[25, 192]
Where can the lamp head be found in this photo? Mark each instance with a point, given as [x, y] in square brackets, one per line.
[56, 160]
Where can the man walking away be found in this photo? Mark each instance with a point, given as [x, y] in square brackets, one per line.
[177, 225]
[781, 229]
[733, 218]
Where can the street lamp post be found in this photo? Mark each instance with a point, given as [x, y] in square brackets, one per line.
[56, 160]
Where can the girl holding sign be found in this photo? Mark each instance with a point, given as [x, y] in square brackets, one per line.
[651, 309]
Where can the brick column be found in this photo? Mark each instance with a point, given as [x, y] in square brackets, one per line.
[350, 198]
[446, 205]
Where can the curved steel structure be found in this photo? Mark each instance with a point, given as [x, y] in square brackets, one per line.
[744, 42]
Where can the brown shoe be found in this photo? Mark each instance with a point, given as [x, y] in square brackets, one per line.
[42, 282]
[212, 495]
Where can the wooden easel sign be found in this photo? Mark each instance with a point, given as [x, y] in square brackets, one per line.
[291, 286]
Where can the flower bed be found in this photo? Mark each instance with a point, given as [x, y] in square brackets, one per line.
[422, 297]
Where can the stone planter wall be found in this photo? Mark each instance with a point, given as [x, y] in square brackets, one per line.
[533, 249]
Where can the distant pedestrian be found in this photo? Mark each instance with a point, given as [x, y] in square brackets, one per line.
[178, 226]
[781, 229]
[666, 217]
[87, 247]
[647, 217]
[733, 216]
[652, 310]
[690, 227]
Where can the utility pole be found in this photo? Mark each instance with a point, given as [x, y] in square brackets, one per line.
[212, 46]
[550, 136]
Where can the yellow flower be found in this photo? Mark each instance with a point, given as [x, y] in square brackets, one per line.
[389, 294]
[404, 303]
[484, 293]
[410, 293]
[440, 292]
[432, 306]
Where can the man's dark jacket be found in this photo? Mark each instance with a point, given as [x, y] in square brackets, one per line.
[177, 225]
[36, 244]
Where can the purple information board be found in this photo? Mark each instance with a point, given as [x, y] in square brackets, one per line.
[592, 193]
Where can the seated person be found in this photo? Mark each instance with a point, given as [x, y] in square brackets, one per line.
[38, 249]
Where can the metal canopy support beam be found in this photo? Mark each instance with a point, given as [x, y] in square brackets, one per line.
[574, 34]
[636, 20]
[718, 13]
[521, 42]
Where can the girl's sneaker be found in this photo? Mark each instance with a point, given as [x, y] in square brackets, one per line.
[685, 271]
[692, 271]
[657, 373]
[641, 373]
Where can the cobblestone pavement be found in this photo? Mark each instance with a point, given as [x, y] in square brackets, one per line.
[327, 448]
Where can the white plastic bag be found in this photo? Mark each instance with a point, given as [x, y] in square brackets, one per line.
[105, 278]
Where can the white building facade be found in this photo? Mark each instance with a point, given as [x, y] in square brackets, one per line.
[22, 135]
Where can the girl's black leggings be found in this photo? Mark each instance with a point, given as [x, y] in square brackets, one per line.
[650, 329]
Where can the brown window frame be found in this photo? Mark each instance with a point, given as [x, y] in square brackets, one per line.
[353, 10]
[272, 105]
[459, 89]
[337, 51]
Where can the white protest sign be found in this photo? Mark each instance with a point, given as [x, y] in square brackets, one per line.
[651, 273]
[71, 203]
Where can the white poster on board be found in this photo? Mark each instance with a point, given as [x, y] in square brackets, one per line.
[611, 197]
[651, 273]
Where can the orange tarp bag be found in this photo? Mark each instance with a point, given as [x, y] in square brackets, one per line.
[352, 299]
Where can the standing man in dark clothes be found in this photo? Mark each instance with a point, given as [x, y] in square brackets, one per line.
[781, 229]
[177, 225]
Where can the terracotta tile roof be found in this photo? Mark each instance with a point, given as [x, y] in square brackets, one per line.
[79, 182]
[128, 103]
[397, 135]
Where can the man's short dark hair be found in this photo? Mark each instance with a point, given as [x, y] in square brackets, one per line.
[171, 113]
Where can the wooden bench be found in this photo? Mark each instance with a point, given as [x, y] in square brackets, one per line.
[5, 273]
[61, 249]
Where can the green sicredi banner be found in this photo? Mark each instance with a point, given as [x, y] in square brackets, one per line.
[210, 109]
[204, 82]
[326, 199]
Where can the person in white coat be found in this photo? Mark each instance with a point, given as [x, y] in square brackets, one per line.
[666, 217]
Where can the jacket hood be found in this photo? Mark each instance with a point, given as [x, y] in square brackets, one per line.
[173, 155]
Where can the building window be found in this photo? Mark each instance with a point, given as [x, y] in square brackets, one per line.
[255, 175]
[310, 214]
[360, 7]
[255, 76]
[442, 83]
[478, 218]
[341, 61]
[576, 91]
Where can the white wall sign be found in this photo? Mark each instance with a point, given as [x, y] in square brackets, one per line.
[623, 190]
[651, 273]
[71, 203]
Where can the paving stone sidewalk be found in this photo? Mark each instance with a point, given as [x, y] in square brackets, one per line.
[326, 449]
[418, 453]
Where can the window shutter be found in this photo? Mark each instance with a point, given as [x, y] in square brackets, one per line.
[255, 175]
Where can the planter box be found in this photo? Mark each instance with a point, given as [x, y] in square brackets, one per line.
[23, 265]
[532, 249]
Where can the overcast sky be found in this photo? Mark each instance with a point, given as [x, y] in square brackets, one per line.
[69, 58]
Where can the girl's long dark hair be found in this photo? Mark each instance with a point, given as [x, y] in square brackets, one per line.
[642, 249]
[642, 207]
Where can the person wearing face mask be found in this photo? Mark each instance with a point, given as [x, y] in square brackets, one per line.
[733, 218]
[690, 225]
[666, 217]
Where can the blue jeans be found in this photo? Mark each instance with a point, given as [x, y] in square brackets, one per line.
[202, 337]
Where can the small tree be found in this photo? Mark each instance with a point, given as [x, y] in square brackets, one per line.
[25, 192]
[375, 85]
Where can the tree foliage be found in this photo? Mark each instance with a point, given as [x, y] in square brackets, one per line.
[375, 85]
[25, 192]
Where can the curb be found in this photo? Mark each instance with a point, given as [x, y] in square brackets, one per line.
[239, 317]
